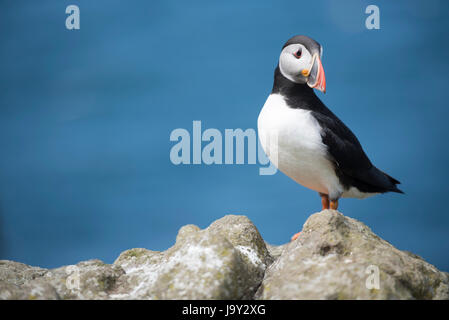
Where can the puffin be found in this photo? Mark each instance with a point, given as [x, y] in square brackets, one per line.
[307, 141]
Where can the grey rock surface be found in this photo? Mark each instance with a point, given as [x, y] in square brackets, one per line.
[227, 260]
[335, 257]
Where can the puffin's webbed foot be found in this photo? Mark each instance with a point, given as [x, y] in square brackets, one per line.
[295, 236]
[334, 205]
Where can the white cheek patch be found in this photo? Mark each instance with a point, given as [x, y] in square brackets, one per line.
[291, 66]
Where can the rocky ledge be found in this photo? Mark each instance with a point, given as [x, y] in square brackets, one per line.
[335, 257]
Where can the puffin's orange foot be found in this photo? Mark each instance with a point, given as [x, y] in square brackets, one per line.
[324, 201]
[295, 236]
[334, 205]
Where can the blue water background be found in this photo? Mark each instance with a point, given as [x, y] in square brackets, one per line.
[86, 115]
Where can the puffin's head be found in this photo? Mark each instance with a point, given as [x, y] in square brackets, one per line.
[300, 62]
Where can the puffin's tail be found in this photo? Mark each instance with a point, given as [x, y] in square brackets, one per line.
[394, 182]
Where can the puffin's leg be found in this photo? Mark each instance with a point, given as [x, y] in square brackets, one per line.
[334, 204]
[324, 203]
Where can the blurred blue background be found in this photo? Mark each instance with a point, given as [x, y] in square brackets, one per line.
[86, 115]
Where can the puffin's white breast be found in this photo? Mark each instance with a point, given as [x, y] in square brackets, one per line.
[299, 151]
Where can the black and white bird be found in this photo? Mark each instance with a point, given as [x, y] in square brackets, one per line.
[306, 141]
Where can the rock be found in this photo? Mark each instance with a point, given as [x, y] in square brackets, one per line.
[19, 281]
[92, 279]
[38, 290]
[335, 257]
[275, 251]
[18, 273]
[225, 261]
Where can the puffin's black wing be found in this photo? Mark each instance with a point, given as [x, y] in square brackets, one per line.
[352, 165]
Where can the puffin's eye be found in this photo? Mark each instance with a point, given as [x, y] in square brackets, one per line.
[297, 54]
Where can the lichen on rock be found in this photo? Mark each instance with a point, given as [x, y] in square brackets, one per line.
[227, 260]
[331, 259]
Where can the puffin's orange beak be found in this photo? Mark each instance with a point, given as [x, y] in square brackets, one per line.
[317, 78]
